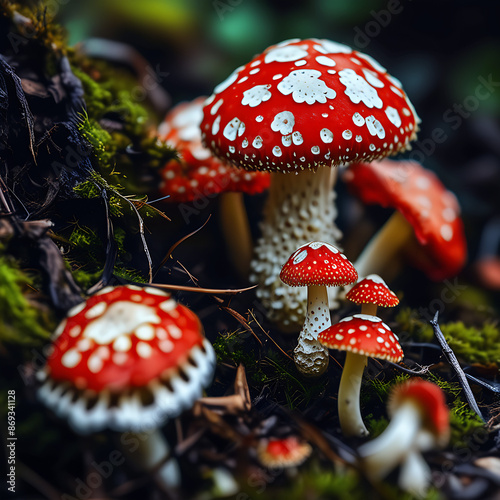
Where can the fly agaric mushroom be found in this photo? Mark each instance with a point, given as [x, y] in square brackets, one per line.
[372, 292]
[316, 265]
[198, 175]
[425, 210]
[128, 359]
[362, 336]
[298, 108]
[419, 423]
[283, 452]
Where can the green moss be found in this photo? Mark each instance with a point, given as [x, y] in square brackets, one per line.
[21, 322]
[474, 345]
[464, 423]
[409, 322]
[381, 388]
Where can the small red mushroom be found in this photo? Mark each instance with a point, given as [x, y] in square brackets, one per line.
[425, 211]
[419, 423]
[316, 265]
[128, 359]
[372, 292]
[283, 452]
[198, 175]
[362, 336]
[299, 108]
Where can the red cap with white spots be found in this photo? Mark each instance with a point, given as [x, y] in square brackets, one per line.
[283, 452]
[318, 263]
[305, 103]
[372, 290]
[197, 173]
[363, 334]
[424, 202]
[127, 358]
[430, 400]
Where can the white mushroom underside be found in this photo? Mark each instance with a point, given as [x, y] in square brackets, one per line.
[130, 414]
[300, 208]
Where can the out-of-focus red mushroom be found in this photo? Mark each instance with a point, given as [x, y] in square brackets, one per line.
[362, 336]
[316, 265]
[372, 292]
[419, 423]
[296, 110]
[198, 175]
[128, 359]
[283, 452]
[426, 212]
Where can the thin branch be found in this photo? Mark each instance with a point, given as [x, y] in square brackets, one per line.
[143, 238]
[111, 246]
[182, 288]
[268, 336]
[174, 246]
[453, 361]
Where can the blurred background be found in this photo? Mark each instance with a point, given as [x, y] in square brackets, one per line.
[441, 51]
[446, 53]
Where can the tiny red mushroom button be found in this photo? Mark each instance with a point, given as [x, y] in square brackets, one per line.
[283, 452]
[363, 334]
[372, 290]
[318, 263]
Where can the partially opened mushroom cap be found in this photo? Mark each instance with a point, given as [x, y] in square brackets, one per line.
[426, 204]
[305, 103]
[318, 263]
[127, 358]
[363, 334]
[372, 290]
[430, 400]
[197, 173]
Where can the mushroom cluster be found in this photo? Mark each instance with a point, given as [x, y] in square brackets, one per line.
[128, 359]
[296, 110]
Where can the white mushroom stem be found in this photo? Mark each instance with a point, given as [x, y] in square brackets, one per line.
[300, 208]
[392, 447]
[415, 474]
[236, 229]
[311, 358]
[151, 449]
[350, 418]
[383, 249]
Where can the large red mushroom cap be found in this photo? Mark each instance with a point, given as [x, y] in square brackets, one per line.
[127, 357]
[430, 401]
[372, 290]
[197, 173]
[421, 198]
[318, 263]
[305, 103]
[365, 335]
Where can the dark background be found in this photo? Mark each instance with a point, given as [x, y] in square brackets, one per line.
[440, 50]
